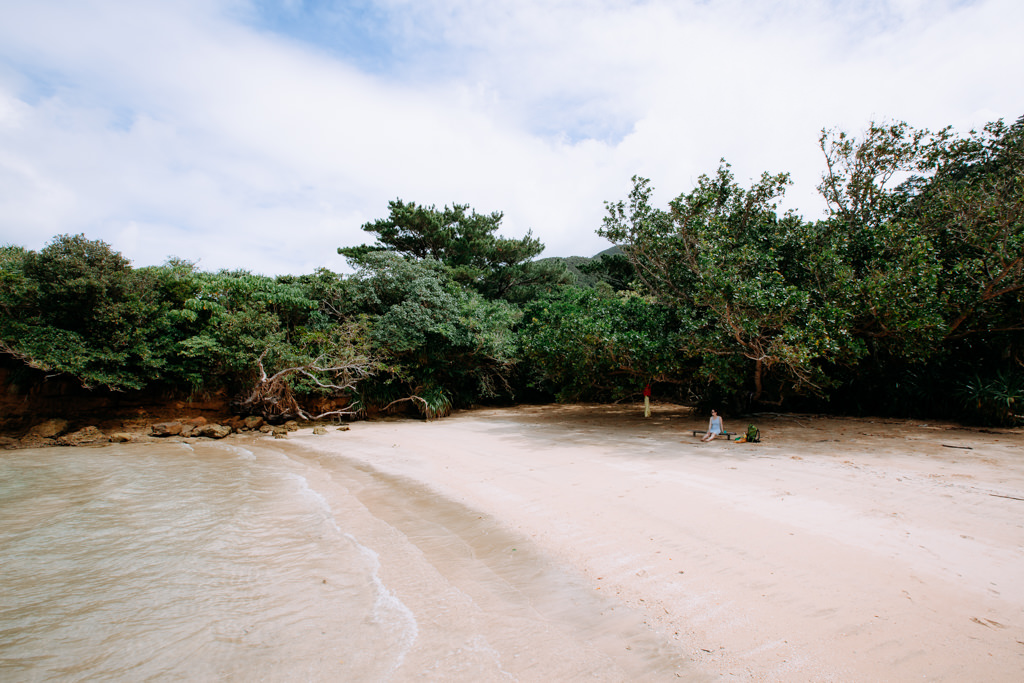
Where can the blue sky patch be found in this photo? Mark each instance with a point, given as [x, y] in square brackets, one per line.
[357, 32]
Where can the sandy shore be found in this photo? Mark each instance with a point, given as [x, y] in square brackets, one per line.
[835, 550]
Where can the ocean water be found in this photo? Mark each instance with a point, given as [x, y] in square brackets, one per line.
[184, 562]
[259, 560]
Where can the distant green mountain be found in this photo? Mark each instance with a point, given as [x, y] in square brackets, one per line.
[610, 251]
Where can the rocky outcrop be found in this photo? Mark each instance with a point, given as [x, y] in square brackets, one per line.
[279, 431]
[83, 437]
[212, 431]
[48, 430]
[245, 424]
[166, 429]
[29, 396]
[191, 426]
[197, 427]
[42, 412]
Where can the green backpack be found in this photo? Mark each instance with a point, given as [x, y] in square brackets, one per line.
[753, 434]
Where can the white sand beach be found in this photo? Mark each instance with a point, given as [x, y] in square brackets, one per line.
[834, 550]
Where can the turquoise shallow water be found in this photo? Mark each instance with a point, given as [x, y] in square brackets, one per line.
[184, 562]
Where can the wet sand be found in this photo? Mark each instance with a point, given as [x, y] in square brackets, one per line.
[835, 550]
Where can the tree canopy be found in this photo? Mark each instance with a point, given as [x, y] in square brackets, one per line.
[906, 299]
[465, 242]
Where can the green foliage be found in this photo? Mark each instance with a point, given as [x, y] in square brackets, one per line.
[324, 368]
[234, 318]
[907, 299]
[919, 266]
[413, 302]
[445, 345]
[434, 402]
[582, 345]
[77, 307]
[615, 270]
[756, 286]
[971, 209]
[994, 399]
[465, 242]
[858, 174]
[940, 256]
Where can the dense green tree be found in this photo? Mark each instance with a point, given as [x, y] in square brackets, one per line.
[939, 255]
[443, 345]
[937, 261]
[465, 242]
[280, 345]
[581, 344]
[894, 271]
[16, 294]
[970, 204]
[908, 298]
[77, 307]
[235, 318]
[752, 281]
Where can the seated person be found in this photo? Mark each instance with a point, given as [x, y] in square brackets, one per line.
[715, 427]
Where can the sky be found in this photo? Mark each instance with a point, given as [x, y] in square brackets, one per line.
[262, 134]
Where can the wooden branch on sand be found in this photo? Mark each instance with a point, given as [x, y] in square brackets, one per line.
[273, 396]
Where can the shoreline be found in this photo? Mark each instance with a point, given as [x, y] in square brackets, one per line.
[836, 549]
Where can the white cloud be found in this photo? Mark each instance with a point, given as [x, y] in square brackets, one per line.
[177, 129]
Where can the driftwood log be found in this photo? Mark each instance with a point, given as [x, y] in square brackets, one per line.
[273, 397]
